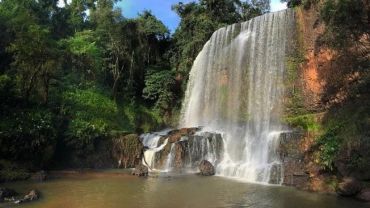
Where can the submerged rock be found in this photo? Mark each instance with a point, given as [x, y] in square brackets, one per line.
[7, 193]
[140, 170]
[364, 195]
[349, 187]
[33, 195]
[206, 168]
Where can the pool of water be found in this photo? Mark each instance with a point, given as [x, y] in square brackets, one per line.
[119, 189]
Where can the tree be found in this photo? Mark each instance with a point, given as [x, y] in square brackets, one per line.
[105, 19]
[292, 3]
[86, 55]
[159, 87]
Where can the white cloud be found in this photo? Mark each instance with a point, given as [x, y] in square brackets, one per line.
[276, 5]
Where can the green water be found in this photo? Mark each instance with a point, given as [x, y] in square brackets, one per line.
[107, 190]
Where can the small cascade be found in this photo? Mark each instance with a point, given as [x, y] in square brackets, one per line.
[151, 142]
[170, 159]
[149, 155]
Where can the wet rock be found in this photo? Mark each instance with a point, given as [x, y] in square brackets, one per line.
[206, 168]
[203, 145]
[275, 174]
[189, 149]
[33, 195]
[364, 195]
[180, 154]
[140, 170]
[7, 193]
[292, 158]
[349, 187]
[175, 135]
[39, 176]
[127, 150]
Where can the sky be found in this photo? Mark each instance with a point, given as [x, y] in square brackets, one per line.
[162, 9]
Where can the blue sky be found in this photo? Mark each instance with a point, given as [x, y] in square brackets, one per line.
[162, 9]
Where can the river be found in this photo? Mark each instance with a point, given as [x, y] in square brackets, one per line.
[111, 189]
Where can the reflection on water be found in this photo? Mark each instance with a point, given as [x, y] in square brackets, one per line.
[110, 190]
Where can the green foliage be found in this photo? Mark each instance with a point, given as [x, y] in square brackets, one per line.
[151, 26]
[82, 43]
[359, 161]
[7, 91]
[92, 115]
[295, 3]
[28, 135]
[12, 172]
[159, 88]
[305, 122]
[292, 3]
[346, 20]
[140, 118]
[329, 145]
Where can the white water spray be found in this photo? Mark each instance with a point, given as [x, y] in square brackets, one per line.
[236, 87]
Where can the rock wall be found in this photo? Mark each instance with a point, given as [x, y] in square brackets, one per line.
[293, 159]
[127, 151]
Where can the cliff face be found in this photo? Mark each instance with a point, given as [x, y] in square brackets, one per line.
[328, 106]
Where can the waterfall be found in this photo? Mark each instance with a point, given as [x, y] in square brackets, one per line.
[236, 87]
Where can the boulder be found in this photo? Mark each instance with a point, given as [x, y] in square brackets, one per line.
[39, 176]
[6, 193]
[349, 187]
[33, 195]
[364, 195]
[140, 170]
[206, 168]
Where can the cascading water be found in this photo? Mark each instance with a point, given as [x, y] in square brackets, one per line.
[236, 87]
[204, 146]
[170, 159]
[150, 142]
